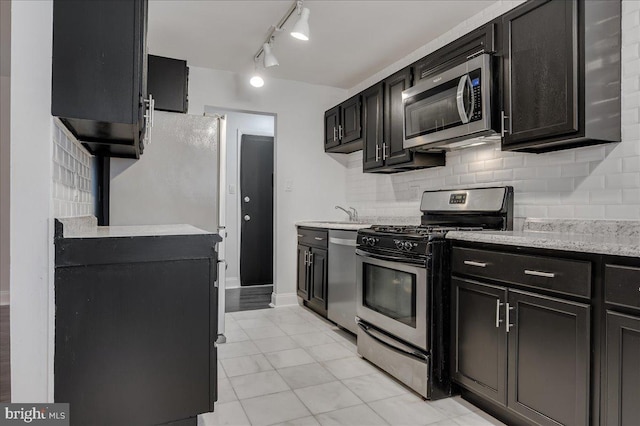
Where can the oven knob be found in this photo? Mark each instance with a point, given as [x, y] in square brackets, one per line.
[399, 244]
[372, 241]
[365, 240]
[408, 245]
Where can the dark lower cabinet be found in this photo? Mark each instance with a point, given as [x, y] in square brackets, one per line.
[622, 384]
[313, 269]
[479, 347]
[135, 326]
[549, 362]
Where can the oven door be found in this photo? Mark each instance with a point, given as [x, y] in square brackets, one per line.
[392, 296]
[450, 106]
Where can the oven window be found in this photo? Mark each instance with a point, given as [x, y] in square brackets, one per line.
[433, 110]
[391, 293]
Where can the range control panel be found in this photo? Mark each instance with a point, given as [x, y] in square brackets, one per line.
[460, 198]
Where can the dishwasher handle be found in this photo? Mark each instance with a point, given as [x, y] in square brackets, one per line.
[342, 241]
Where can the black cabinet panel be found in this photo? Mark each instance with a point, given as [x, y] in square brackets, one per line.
[479, 346]
[343, 127]
[303, 283]
[373, 113]
[318, 272]
[99, 73]
[393, 152]
[622, 286]
[350, 121]
[541, 70]
[622, 394]
[331, 122]
[168, 80]
[549, 349]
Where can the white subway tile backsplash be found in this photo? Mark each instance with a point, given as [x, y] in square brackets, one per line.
[72, 174]
[597, 182]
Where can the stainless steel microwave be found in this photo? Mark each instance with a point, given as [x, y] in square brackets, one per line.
[451, 106]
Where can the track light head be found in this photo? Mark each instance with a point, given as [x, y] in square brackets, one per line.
[301, 28]
[269, 58]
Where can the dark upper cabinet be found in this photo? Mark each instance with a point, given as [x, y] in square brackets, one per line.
[99, 73]
[483, 39]
[168, 82]
[383, 134]
[561, 74]
[479, 346]
[343, 127]
[372, 113]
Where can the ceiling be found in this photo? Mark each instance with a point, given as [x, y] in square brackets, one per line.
[349, 40]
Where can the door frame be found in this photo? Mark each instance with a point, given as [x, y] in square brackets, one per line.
[239, 134]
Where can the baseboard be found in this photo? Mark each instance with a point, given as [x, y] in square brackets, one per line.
[283, 299]
[232, 282]
[4, 298]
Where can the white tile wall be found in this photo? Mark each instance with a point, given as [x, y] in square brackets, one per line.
[600, 182]
[72, 176]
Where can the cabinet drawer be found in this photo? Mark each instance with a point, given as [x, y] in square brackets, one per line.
[558, 275]
[313, 237]
[622, 286]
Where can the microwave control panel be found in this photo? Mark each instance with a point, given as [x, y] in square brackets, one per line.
[477, 95]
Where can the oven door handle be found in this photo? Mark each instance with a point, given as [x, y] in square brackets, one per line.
[397, 347]
[387, 257]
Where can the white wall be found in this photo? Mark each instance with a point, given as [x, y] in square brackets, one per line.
[600, 182]
[5, 100]
[31, 236]
[238, 123]
[317, 180]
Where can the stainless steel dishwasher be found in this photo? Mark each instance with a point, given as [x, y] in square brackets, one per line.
[341, 304]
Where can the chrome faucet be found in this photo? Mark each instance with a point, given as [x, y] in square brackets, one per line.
[353, 213]
[351, 219]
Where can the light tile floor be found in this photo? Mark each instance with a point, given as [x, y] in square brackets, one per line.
[288, 366]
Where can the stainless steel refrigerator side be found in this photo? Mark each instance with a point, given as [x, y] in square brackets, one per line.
[222, 230]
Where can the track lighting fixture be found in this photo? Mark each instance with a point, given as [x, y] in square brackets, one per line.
[300, 31]
[269, 58]
[301, 28]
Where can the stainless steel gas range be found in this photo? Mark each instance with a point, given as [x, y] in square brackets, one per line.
[403, 294]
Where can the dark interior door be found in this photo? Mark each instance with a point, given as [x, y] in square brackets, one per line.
[256, 213]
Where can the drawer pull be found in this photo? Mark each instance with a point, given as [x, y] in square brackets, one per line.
[478, 264]
[319, 238]
[539, 273]
[300, 235]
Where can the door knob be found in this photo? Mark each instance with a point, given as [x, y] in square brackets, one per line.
[247, 217]
[247, 199]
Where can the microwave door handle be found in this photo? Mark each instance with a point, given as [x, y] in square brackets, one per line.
[462, 110]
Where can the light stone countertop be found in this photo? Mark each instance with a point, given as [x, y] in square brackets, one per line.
[615, 238]
[86, 227]
[345, 226]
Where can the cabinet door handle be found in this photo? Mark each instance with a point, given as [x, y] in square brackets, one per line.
[335, 133]
[340, 132]
[310, 258]
[306, 258]
[318, 238]
[498, 320]
[377, 153]
[477, 264]
[384, 151]
[300, 235]
[507, 312]
[539, 273]
[503, 117]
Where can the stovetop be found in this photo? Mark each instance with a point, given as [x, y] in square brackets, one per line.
[419, 230]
